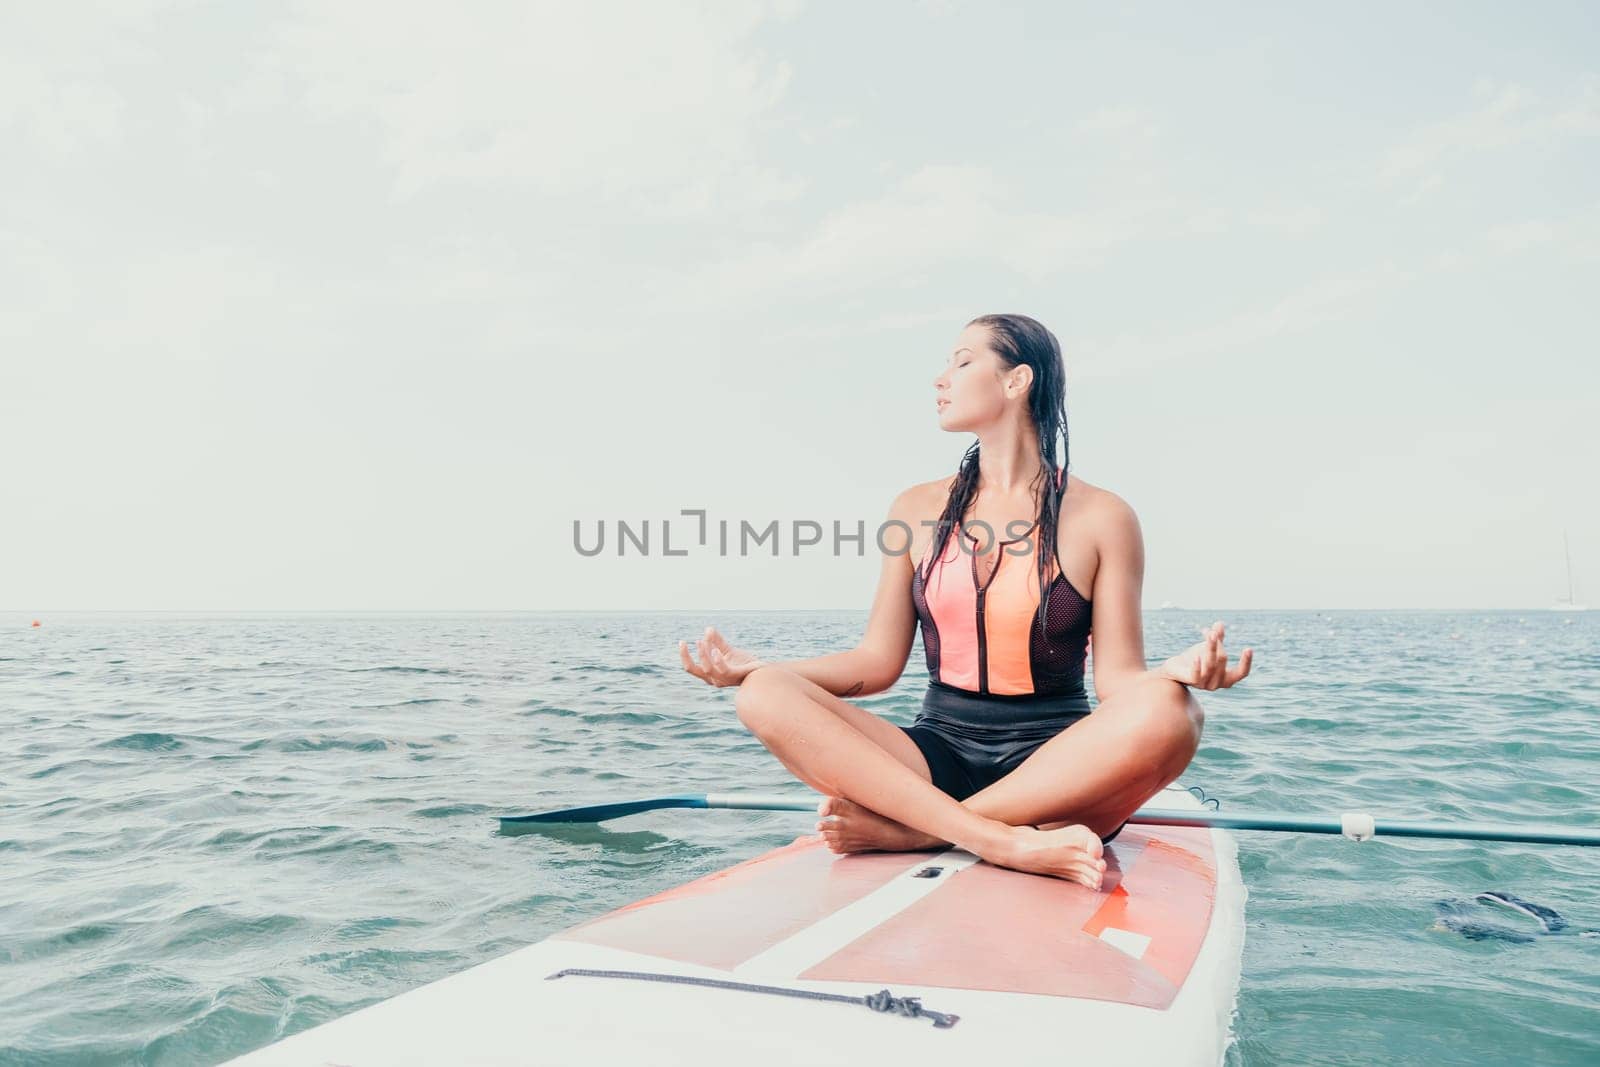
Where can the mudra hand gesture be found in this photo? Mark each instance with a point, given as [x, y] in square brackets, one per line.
[1205, 665]
[720, 663]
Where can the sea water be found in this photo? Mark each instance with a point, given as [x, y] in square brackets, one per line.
[216, 831]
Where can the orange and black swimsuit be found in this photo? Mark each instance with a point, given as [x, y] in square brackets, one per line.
[983, 636]
[1000, 684]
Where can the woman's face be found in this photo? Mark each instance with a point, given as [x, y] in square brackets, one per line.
[972, 390]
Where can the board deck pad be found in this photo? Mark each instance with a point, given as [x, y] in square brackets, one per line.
[971, 926]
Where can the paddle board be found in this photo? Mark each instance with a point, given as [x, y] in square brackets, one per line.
[1034, 970]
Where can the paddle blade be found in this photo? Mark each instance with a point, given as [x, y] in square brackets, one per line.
[602, 812]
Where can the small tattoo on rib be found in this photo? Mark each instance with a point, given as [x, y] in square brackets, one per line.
[854, 689]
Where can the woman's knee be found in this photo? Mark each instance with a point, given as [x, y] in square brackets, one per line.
[754, 700]
[1168, 713]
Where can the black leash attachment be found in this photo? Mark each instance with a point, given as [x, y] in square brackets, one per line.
[882, 1001]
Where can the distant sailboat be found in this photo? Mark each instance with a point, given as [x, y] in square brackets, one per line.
[1568, 602]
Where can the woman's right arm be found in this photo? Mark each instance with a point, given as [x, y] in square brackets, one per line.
[876, 663]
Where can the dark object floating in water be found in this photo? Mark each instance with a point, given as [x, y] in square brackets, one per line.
[1454, 915]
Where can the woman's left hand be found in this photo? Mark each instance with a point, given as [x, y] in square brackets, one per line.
[1205, 665]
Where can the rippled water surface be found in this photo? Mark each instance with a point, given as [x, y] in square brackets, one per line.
[217, 831]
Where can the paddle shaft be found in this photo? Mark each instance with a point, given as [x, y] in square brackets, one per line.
[1358, 826]
[1465, 831]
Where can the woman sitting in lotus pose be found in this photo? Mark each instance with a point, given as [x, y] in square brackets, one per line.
[1005, 759]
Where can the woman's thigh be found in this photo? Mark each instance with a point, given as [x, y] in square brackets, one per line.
[885, 734]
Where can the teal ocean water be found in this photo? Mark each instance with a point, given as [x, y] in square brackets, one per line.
[218, 831]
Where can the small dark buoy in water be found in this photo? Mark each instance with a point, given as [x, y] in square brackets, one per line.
[1453, 916]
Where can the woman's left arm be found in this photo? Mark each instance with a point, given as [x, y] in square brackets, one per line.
[1119, 624]
[1118, 629]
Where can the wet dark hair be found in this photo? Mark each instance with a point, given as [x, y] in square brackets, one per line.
[1019, 340]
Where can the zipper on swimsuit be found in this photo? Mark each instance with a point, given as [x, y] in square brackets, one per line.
[983, 591]
[983, 642]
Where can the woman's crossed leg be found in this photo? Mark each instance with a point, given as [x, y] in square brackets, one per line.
[879, 794]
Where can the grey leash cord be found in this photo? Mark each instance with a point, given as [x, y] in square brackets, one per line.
[882, 1001]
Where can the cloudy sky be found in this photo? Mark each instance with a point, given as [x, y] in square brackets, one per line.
[354, 306]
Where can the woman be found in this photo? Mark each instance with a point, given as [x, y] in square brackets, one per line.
[1005, 759]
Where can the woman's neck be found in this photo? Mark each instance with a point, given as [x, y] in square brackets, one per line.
[1007, 467]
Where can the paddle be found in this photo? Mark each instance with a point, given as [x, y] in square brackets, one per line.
[1354, 825]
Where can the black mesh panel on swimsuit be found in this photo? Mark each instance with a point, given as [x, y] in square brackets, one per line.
[930, 628]
[1056, 652]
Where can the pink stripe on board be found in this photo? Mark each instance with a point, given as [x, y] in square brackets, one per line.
[1179, 865]
[726, 917]
[1008, 932]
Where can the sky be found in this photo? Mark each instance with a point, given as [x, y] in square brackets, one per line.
[343, 307]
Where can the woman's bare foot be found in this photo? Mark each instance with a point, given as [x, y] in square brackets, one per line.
[1071, 852]
[848, 827]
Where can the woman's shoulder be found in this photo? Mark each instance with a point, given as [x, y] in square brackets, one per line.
[922, 498]
[1096, 504]
[917, 509]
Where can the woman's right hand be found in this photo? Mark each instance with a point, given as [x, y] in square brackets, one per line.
[720, 663]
